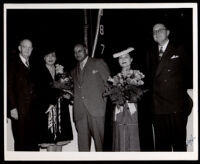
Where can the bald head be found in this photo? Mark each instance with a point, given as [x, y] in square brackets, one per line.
[25, 48]
[159, 25]
[80, 52]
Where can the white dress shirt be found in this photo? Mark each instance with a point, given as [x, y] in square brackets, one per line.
[82, 64]
[163, 46]
[24, 61]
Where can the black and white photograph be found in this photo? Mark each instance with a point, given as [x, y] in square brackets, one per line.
[100, 81]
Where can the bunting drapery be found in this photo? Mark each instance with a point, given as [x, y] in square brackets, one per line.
[94, 32]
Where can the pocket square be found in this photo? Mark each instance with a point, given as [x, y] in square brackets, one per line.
[94, 71]
[174, 57]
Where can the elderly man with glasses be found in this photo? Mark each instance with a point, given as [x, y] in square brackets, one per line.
[167, 71]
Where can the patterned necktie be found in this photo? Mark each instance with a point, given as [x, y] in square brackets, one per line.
[160, 53]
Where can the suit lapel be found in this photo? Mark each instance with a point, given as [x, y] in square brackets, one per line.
[85, 69]
[78, 74]
[81, 74]
[22, 64]
[166, 57]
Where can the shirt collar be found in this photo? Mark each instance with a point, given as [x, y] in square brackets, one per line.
[164, 46]
[22, 59]
[84, 62]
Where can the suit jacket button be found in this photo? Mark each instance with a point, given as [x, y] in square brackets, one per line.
[165, 80]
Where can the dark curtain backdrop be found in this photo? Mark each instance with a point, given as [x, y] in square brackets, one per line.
[60, 29]
[64, 28]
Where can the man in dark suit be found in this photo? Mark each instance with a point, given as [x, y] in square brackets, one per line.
[89, 105]
[21, 97]
[167, 66]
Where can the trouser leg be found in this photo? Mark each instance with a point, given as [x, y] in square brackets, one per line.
[179, 123]
[162, 133]
[97, 130]
[170, 132]
[84, 137]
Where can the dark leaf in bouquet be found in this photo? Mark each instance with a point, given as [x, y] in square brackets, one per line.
[116, 95]
[59, 85]
[108, 90]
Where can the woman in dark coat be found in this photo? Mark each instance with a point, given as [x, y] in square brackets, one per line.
[54, 120]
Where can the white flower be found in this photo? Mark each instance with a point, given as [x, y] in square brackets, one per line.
[131, 71]
[140, 82]
[133, 82]
[59, 69]
[110, 79]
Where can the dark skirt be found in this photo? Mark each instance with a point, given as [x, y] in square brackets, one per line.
[59, 132]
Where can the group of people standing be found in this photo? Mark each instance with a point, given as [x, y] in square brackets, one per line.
[31, 96]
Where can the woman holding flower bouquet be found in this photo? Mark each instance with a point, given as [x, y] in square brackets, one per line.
[54, 90]
[124, 90]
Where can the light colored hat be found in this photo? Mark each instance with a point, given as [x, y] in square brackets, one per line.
[116, 55]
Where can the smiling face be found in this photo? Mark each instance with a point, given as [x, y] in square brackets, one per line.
[25, 48]
[160, 34]
[80, 52]
[125, 61]
[50, 58]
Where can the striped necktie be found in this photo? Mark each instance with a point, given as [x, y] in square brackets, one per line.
[161, 53]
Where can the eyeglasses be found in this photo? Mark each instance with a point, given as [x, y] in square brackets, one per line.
[158, 31]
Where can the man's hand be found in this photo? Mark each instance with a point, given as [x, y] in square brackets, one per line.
[14, 113]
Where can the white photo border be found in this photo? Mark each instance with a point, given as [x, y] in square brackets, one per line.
[107, 156]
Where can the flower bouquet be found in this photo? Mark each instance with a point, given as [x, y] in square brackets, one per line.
[122, 89]
[63, 83]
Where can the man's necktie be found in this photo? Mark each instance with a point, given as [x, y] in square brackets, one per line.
[160, 53]
[27, 63]
[81, 66]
